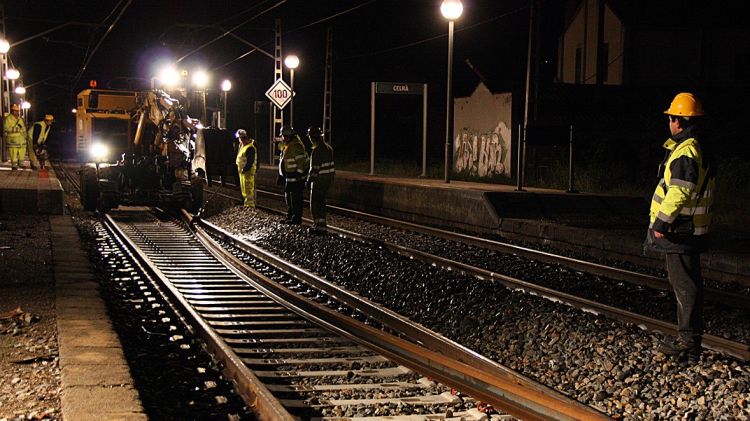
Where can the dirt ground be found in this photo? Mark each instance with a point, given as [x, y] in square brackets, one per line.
[29, 366]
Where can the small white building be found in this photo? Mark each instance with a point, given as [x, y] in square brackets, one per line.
[482, 135]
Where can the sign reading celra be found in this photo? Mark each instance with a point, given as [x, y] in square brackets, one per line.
[398, 88]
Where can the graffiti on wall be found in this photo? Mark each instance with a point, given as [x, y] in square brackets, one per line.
[482, 154]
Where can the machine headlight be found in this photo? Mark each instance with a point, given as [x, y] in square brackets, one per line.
[99, 152]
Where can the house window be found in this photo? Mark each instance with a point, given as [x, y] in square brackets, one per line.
[579, 66]
[605, 61]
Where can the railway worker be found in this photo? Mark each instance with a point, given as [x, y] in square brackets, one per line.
[247, 164]
[37, 140]
[679, 220]
[320, 178]
[293, 166]
[14, 133]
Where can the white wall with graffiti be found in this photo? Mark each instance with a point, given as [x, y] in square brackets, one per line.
[482, 135]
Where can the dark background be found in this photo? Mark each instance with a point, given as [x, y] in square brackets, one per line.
[619, 130]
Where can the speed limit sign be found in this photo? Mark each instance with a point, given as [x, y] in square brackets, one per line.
[279, 93]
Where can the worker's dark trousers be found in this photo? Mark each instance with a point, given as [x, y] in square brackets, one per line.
[293, 194]
[685, 277]
[318, 192]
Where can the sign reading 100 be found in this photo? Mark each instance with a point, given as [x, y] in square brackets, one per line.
[279, 93]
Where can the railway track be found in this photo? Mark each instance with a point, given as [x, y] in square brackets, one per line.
[293, 357]
[737, 349]
[734, 348]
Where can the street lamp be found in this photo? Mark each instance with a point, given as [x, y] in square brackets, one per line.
[451, 10]
[291, 61]
[12, 74]
[200, 80]
[226, 85]
[25, 107]
[20, 90]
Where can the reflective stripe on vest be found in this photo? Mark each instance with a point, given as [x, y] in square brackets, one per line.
[675, 198]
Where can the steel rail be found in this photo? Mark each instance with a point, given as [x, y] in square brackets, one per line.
[711, 294]
[716, 343]
[252, 390]
[428, 352]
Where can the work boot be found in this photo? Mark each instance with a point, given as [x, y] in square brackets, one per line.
[14, 168]
[316, 231]
[681, 348]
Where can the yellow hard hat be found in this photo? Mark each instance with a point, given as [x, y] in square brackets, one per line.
[15, 107]
[685, 105]
[49, 117]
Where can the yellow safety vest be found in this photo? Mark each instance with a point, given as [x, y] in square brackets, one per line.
[14, 130]
[43, 132]
[241, 160]
[682, 201]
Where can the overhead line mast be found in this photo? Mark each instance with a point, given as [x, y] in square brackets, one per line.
[328, 85]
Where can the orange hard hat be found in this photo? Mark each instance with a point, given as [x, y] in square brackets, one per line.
[685, 105]
[15, 107]
[49, 117]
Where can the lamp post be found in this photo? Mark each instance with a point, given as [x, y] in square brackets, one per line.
[12, 75]
[25, 105]
[21, 91]
[291, 61]
[4, 48]
[226, 85]
[451, 10]
[200, 79]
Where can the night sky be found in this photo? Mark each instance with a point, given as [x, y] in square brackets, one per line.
[374, 40]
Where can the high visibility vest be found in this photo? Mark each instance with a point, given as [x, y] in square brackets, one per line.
[241, 160]
[683, 198]
[14, 131]
[294, 161]
[43, 132]
[321, 161]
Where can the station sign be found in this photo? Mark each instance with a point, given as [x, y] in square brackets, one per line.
[399, 88]
[279, 93]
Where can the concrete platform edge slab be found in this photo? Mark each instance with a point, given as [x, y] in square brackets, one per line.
[87, 340]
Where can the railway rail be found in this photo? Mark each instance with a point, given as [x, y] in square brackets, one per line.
[289, 354]
[734, 348]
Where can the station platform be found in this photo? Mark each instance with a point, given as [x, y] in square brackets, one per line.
[602, 226]
[46, 271]
[30, 191]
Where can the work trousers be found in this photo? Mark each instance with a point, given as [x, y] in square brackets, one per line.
[16, 154]
[247, 185]
[293, 194]
[32, 154]
[318, 192]
[684, 271]
[41, 154]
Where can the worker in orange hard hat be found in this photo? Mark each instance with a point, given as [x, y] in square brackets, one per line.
[14, 133]
[38, 133]
[679, 219]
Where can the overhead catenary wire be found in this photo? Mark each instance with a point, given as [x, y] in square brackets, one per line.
[93, 51]
[335, 15]
[425, 40]
[229, 31]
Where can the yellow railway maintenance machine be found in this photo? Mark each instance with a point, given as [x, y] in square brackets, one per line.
[139, 149]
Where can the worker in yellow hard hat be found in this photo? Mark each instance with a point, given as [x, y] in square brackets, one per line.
[247, 164]
[38, 133]
[14, 133]
[679, 219]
